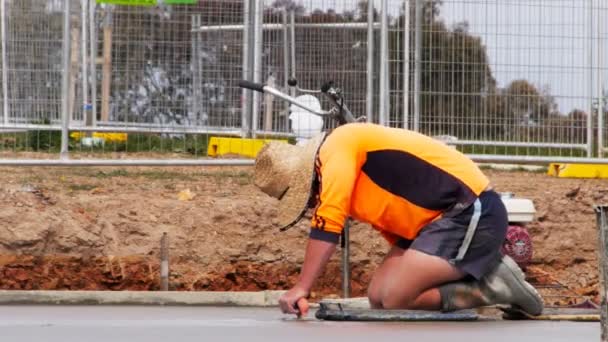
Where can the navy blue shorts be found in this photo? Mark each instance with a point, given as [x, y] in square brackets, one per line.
[444, 237]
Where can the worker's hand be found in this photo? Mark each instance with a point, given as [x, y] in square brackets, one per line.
[292, 297]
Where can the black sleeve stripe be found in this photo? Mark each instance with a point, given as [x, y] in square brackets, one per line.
[384, 168]
[322, 235]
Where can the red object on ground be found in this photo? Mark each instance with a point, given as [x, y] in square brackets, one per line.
[518, 245]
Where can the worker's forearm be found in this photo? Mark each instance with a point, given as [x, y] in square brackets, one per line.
[317, 255]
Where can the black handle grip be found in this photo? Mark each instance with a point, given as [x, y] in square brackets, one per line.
[326, 86]
[252, 85]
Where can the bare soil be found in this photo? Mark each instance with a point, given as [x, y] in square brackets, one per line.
[100, 229]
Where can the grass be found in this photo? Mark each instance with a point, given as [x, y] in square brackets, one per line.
[112, 174]
[241, 176]
[32, 178]
[243, 181]
[152, 174]
[196, 146]
[164, 175]
[521, 151]
[50, 142]
[81, 187]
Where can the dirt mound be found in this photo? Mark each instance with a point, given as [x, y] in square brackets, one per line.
[100, 228]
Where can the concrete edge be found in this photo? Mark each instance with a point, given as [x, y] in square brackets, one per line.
[257, 299]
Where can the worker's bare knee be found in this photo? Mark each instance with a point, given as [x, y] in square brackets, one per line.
[399, 297]
[385, 298]
[374, 296]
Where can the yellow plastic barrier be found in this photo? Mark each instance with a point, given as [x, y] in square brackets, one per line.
[221, 146]
[578, 170]
[108, 137]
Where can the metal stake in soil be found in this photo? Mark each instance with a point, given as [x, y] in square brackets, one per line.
[602, 224]
[345, 260]
[164, 263]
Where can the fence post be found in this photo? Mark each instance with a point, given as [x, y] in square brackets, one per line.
[247, 68]
[106, 78]
[74, 60]
[602, 226]
[268, 106]
[195, 60]
[417, 65]
[292, 46]
[258, 41]
[286, 58]
[65, 82]
[369, 113]
[384, 66]
[93, 61]
[86, 106]
[590, 85]
[600, 95]
[406, 66]
[4, 61]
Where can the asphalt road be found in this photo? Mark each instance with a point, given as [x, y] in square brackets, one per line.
[176, 324]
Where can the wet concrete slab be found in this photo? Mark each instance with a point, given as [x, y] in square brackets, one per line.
[173, 324]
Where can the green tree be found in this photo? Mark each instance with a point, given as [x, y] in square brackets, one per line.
[290, 5]
[524, 112]
[362, 9]
[457, 83]
[527, 104]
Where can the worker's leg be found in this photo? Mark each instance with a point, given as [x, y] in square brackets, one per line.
[408, 279]
[413, 280]
[419, 276]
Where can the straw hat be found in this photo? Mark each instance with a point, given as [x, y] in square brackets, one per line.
[286, 172]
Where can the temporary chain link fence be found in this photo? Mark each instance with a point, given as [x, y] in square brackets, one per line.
[501, 80]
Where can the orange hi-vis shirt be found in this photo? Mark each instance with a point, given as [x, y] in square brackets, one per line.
[394, 179]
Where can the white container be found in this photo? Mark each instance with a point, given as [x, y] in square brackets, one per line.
[519, 210]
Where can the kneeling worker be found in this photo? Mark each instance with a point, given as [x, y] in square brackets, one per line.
[430, 202]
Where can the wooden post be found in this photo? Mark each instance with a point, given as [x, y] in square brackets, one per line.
[164, 262]
[197, 79]
[106, 70]
[268, 106]
[74, 66]
[602, 225]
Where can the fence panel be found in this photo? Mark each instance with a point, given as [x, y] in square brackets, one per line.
[156, 59]
[167, 77]
[34, 35]
[515, 78]
[509, 77]
[314, 42]
[32, 57]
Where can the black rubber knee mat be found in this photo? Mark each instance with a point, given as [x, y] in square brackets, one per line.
[555, 314]
[393, 315]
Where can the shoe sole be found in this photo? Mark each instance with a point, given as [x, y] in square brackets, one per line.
[525, 287]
